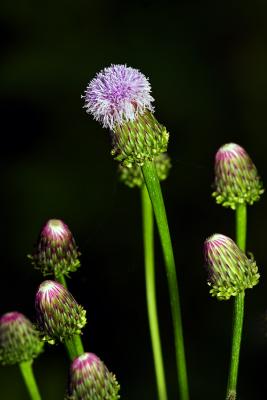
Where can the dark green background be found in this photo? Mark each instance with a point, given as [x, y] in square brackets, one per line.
[207, 64]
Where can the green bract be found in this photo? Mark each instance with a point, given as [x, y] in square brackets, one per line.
[133, 176]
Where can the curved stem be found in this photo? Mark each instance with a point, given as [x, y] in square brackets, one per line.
[29, 379]
[148, 237]
[238, 313]
[154, 190]
[73, 345]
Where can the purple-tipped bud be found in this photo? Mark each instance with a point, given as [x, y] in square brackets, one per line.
[230, 270]
[59, 316]
[19, 340]
[236, 177]
[133, 177]
[91, 380]
[56, 252]
[119, 98]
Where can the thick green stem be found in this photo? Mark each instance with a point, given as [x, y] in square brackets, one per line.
[74, 345]
[29, 379]
[61, 279]
[238, 313]
[148, 237]
[154, 190]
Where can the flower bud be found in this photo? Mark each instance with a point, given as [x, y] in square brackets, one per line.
[133, 177]
[236, 177]
[230, 270]
[119, 98]
[59, 316]
[56, 251]
[91, 380]
[19, 340]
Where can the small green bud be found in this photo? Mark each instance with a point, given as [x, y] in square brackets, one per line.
[59, 316]
[133, 176]
[230, 270]
[140, 140]
[56, 251]
[19, 339]
[91, 380]
[236, 177]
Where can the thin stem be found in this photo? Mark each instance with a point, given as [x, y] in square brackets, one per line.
[154, 190]
[241, 226]
[148, 237]
[238, 312]
[74, 345]
[29, 379]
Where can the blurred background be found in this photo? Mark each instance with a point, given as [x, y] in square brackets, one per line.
[207, 64]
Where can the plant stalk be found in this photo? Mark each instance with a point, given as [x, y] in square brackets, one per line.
[74, 345]
[238, 312]
[155, 194]
[29, 379]
[148, 238]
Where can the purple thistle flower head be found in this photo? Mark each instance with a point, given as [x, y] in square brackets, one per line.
[59, 316]
[19, 339]
[230, 270]
[118, 94]
[90, 379]
[56, 251]
[236, 177]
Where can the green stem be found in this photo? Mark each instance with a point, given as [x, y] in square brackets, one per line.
[61, 279]
[241, 226]
[29, 379]
[154, 190]
[74, 345]
[148, 237]
[238, 313]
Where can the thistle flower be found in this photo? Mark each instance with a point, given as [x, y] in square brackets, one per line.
[59, 316]
[19, 339]
[230, 270]
[91, 380]
[119, 98]
[236, 177]
[56, 251]
[133, 177]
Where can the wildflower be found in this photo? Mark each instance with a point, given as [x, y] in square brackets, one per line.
[56, 251]
[119, 98]
[236, 177]
[230, 270]
[91, 380]
[19, 339]
[59, 315]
